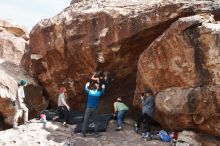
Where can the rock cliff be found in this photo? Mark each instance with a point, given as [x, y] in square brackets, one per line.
[183, 66]
[10, 76]
[13, 46]
[13, 41]
[89, 35]
[15, 29]
[166, 45]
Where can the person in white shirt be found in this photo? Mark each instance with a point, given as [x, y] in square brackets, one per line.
[20, 105]
[63, 107]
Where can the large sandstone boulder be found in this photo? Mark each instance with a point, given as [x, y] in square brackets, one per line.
[196, 139]
[186, 55]
[13, 51]
[111, 34]
[12, 48]
[10, 75]
[184, 60]
[76, 1]
[13, 41]
[15, 29]
[191, 108]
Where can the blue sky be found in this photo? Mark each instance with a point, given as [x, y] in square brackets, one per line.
[29, 12]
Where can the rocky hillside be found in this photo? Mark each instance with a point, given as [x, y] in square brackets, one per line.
[182, 66]
[13, 46]
[171, 46]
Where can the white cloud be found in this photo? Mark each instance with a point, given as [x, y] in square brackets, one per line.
[29, 12]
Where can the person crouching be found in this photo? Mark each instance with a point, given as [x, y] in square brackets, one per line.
[121, 109]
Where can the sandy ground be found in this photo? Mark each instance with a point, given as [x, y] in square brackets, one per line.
[54, 134]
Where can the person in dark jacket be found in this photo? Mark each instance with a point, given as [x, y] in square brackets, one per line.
[93, 101]
[147, 113]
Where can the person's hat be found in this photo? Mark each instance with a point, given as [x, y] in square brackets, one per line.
[148, 90]
[119, 99]
[62, 89]
[23, 82]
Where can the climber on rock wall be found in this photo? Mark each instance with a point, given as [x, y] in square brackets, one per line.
[103, 77]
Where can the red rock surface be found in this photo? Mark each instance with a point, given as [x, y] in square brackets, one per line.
[13, 46]
[13, 41]
[68, 48]
[14, 28]
[35, 100]
[186, 56]
[191, 108]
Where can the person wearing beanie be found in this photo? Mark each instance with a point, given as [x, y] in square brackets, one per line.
[63, 107]
[147, 113]
[20, 105]
[120, 109]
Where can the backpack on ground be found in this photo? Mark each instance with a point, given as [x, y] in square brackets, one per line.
[164, 136]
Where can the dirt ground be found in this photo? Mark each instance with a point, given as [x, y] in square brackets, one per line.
[54, 134]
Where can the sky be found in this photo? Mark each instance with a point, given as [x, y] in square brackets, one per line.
[29, 12]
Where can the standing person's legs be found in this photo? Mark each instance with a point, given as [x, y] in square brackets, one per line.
[120, 118]
[147, 120]
[60, 112]
[140, 120]
[65, 113]
[86, 120]
[16, 116]
[94, 118]
[124, 115]
[25, 109]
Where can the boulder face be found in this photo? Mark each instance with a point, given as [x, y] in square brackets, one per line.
[13, 49]
[13, 43]
[186, 55]
[15, 29]
[182, 66]
[10, 76]
[108, 35]
[191, 108]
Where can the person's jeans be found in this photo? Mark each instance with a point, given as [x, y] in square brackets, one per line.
[63, 113]
[91, 113]
[121, 117]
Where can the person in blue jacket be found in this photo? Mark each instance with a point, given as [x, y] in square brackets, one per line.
[94, 94]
